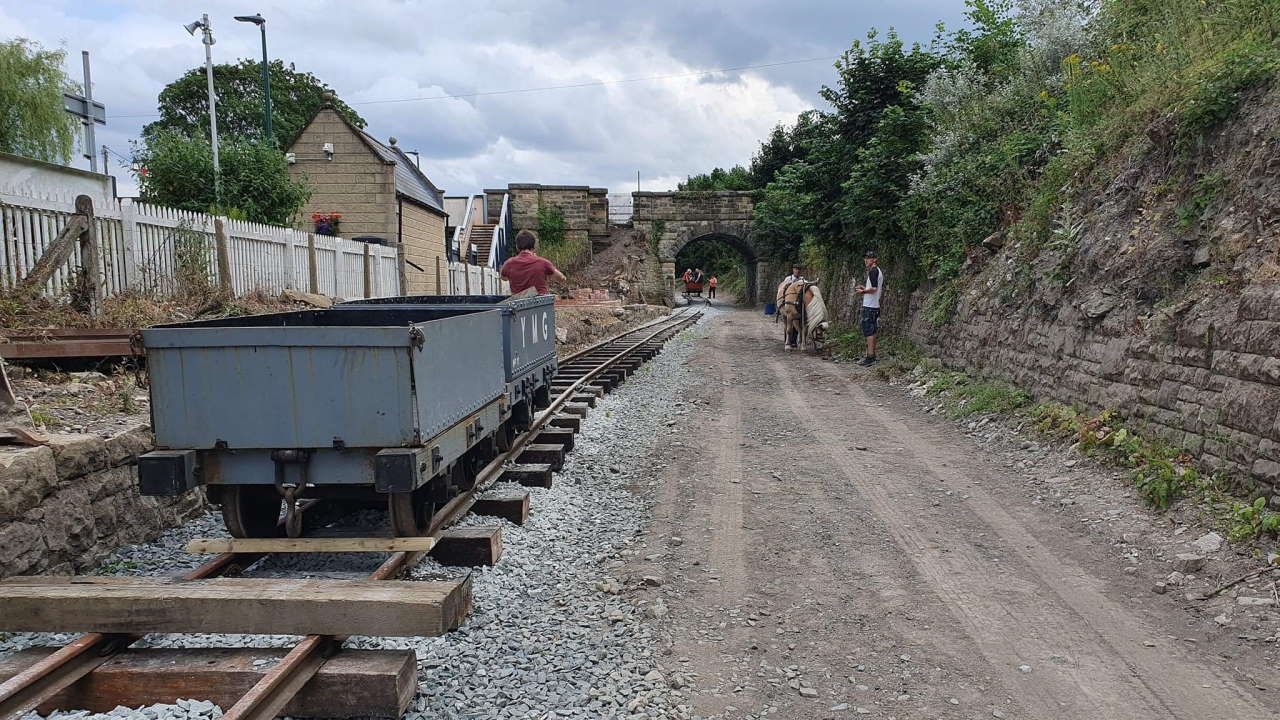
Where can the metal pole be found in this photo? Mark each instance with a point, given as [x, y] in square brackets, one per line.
[104, 161]
[88, 121]
[213, 109]
[266, 86]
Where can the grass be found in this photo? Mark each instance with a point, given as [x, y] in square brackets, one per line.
[966, 396]
[1163, 474]
[569, 255]
[897, 354]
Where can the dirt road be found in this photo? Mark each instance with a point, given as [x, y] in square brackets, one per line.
[827, 549]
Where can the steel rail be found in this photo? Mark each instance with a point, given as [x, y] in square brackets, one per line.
[272, 693]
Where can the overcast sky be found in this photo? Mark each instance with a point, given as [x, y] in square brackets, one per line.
[680, 123]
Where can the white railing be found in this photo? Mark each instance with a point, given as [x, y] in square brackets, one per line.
[462, 232]
[149, 247]
[499, 239]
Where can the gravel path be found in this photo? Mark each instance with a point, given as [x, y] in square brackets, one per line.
[553, 634]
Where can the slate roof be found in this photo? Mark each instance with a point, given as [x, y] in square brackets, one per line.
[410, 181]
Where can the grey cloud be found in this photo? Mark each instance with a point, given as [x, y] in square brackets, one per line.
[379, 49]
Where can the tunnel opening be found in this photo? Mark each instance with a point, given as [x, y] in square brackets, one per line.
[726, 257]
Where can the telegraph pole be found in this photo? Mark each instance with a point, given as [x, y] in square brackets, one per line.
[88, 122]
[89, 112]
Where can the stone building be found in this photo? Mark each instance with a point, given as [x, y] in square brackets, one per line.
[379, 191]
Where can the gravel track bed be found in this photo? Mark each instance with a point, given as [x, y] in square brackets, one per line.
[551, 634]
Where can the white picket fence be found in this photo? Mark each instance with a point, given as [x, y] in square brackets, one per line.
[467, 279]
[146, 247]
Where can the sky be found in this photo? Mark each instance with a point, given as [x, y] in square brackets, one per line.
[670, 88]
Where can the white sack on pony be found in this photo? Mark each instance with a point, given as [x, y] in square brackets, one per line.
[816, 313]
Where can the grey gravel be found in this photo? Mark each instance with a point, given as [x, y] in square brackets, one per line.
[552, 634]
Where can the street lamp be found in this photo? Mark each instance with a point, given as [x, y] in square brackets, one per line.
[191, 27]
[261, 22]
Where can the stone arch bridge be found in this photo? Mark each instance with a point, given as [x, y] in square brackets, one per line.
[677, 219]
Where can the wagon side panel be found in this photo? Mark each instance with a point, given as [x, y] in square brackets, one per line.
[281, 387]
[458, 369]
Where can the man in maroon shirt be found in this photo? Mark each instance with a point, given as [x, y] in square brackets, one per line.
[526, 269]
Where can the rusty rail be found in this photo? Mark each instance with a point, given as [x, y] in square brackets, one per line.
[38, 343]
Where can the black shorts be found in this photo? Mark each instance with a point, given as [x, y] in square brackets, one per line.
[870, 321]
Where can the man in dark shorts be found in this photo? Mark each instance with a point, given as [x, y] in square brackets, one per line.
[870, 291]
[526, 269]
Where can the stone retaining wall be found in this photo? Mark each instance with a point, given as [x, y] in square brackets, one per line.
[65, 506]
[1210, 383]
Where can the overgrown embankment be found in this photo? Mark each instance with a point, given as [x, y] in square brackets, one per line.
[1076, 198]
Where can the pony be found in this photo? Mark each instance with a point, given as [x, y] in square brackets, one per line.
[804, 314]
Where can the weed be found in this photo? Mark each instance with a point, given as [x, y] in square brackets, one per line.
[943, 303]
[42, 418]
[1253, 520]
[1203, 195]
[1161, 483]
[655, 236]
[115, 568]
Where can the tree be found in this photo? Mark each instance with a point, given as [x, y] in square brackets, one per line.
[735, 178]
[177, 171]
[32, 120]
[295, 98]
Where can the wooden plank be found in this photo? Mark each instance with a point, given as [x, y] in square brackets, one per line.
[555, 436]
[469, 546]
[232, 605]
[529, 474]
[573, 422]
[353, 683]
[540, 453]
[308, 545]
[509, 507]
[588, 399]
[574, 408]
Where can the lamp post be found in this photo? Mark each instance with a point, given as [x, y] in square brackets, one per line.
[261, 22]
[191, 27]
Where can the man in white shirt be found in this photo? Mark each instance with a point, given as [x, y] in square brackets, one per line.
[870, 292]
[794, 276]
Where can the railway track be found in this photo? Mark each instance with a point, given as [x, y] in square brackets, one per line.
[582, 377]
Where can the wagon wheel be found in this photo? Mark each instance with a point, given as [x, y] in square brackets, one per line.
[411, 512]
[251, 511]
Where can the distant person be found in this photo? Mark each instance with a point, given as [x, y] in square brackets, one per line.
[527, 270]
[794, 276]
[870, 292]
[711, 287]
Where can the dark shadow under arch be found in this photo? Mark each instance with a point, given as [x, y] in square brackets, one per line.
[743, 247]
